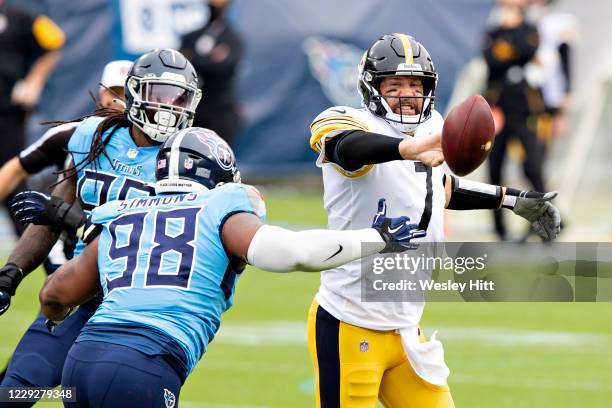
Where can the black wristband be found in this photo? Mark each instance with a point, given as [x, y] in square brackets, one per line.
[68, 217]
[471, 195]
[11, 277]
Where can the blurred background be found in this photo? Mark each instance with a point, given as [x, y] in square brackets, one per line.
[269, 67]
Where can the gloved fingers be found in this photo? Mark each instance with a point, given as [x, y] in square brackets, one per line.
[419, 233]
[379, 217]
[550, 196]
[5, 302]
[25, 195]
[552, 220]
[21, 204]
[540, 230]
[554, 214]
[382, 207]
[400, 221]
[411, 233]
[26, 211]
[548, 225]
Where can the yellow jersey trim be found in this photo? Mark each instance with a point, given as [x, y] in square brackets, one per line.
[321, 127]
[356, 173]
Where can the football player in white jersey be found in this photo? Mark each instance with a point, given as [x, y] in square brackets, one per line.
[390, 148]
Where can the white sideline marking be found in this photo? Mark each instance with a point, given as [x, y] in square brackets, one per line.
[280, 332]
[291, 332]
[512, 382]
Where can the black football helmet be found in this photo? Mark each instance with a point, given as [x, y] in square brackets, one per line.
[162, 93]
[194, 159]
[392, 55]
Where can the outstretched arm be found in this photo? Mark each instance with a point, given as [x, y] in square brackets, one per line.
[72, 284]
[354, 149]
[277, 249]
[534, 206]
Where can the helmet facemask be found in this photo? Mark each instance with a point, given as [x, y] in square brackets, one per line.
[162, 105]
[369, 87]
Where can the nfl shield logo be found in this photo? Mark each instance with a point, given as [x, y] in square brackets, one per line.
[364, 346]
[188, 163]
[132, 153]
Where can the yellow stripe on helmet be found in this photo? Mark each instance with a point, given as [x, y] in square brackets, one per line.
[408, 53]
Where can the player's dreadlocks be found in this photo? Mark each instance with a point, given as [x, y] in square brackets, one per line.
[113, 119]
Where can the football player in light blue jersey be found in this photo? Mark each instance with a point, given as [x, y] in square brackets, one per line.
[168, 265]
[113, 157]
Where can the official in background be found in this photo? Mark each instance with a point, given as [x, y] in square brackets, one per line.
[215, 51]
[29, 49]
[558, 32]
[513, 92]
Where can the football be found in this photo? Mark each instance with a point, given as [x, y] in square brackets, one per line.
[468, 135]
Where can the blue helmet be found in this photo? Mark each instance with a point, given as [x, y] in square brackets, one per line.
[194, 159]
[162, 93]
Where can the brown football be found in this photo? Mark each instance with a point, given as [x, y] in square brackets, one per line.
[468, 135]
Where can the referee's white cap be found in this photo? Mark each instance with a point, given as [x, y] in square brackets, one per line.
[115, 73]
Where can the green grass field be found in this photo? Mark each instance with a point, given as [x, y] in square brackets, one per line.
[500, 355]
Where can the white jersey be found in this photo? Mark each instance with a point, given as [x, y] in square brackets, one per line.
[554, 29]
[351, 199]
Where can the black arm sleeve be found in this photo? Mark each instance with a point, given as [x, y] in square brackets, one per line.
[354, 149]
[564, 54]
[49, 150]
[470, 195]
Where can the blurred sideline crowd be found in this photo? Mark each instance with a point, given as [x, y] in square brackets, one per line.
[524, 71]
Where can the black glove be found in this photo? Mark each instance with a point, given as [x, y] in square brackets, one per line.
[10, 277]
[40, 209]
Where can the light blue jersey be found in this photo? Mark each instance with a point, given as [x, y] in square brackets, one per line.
[163, 267]
[118, 175]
